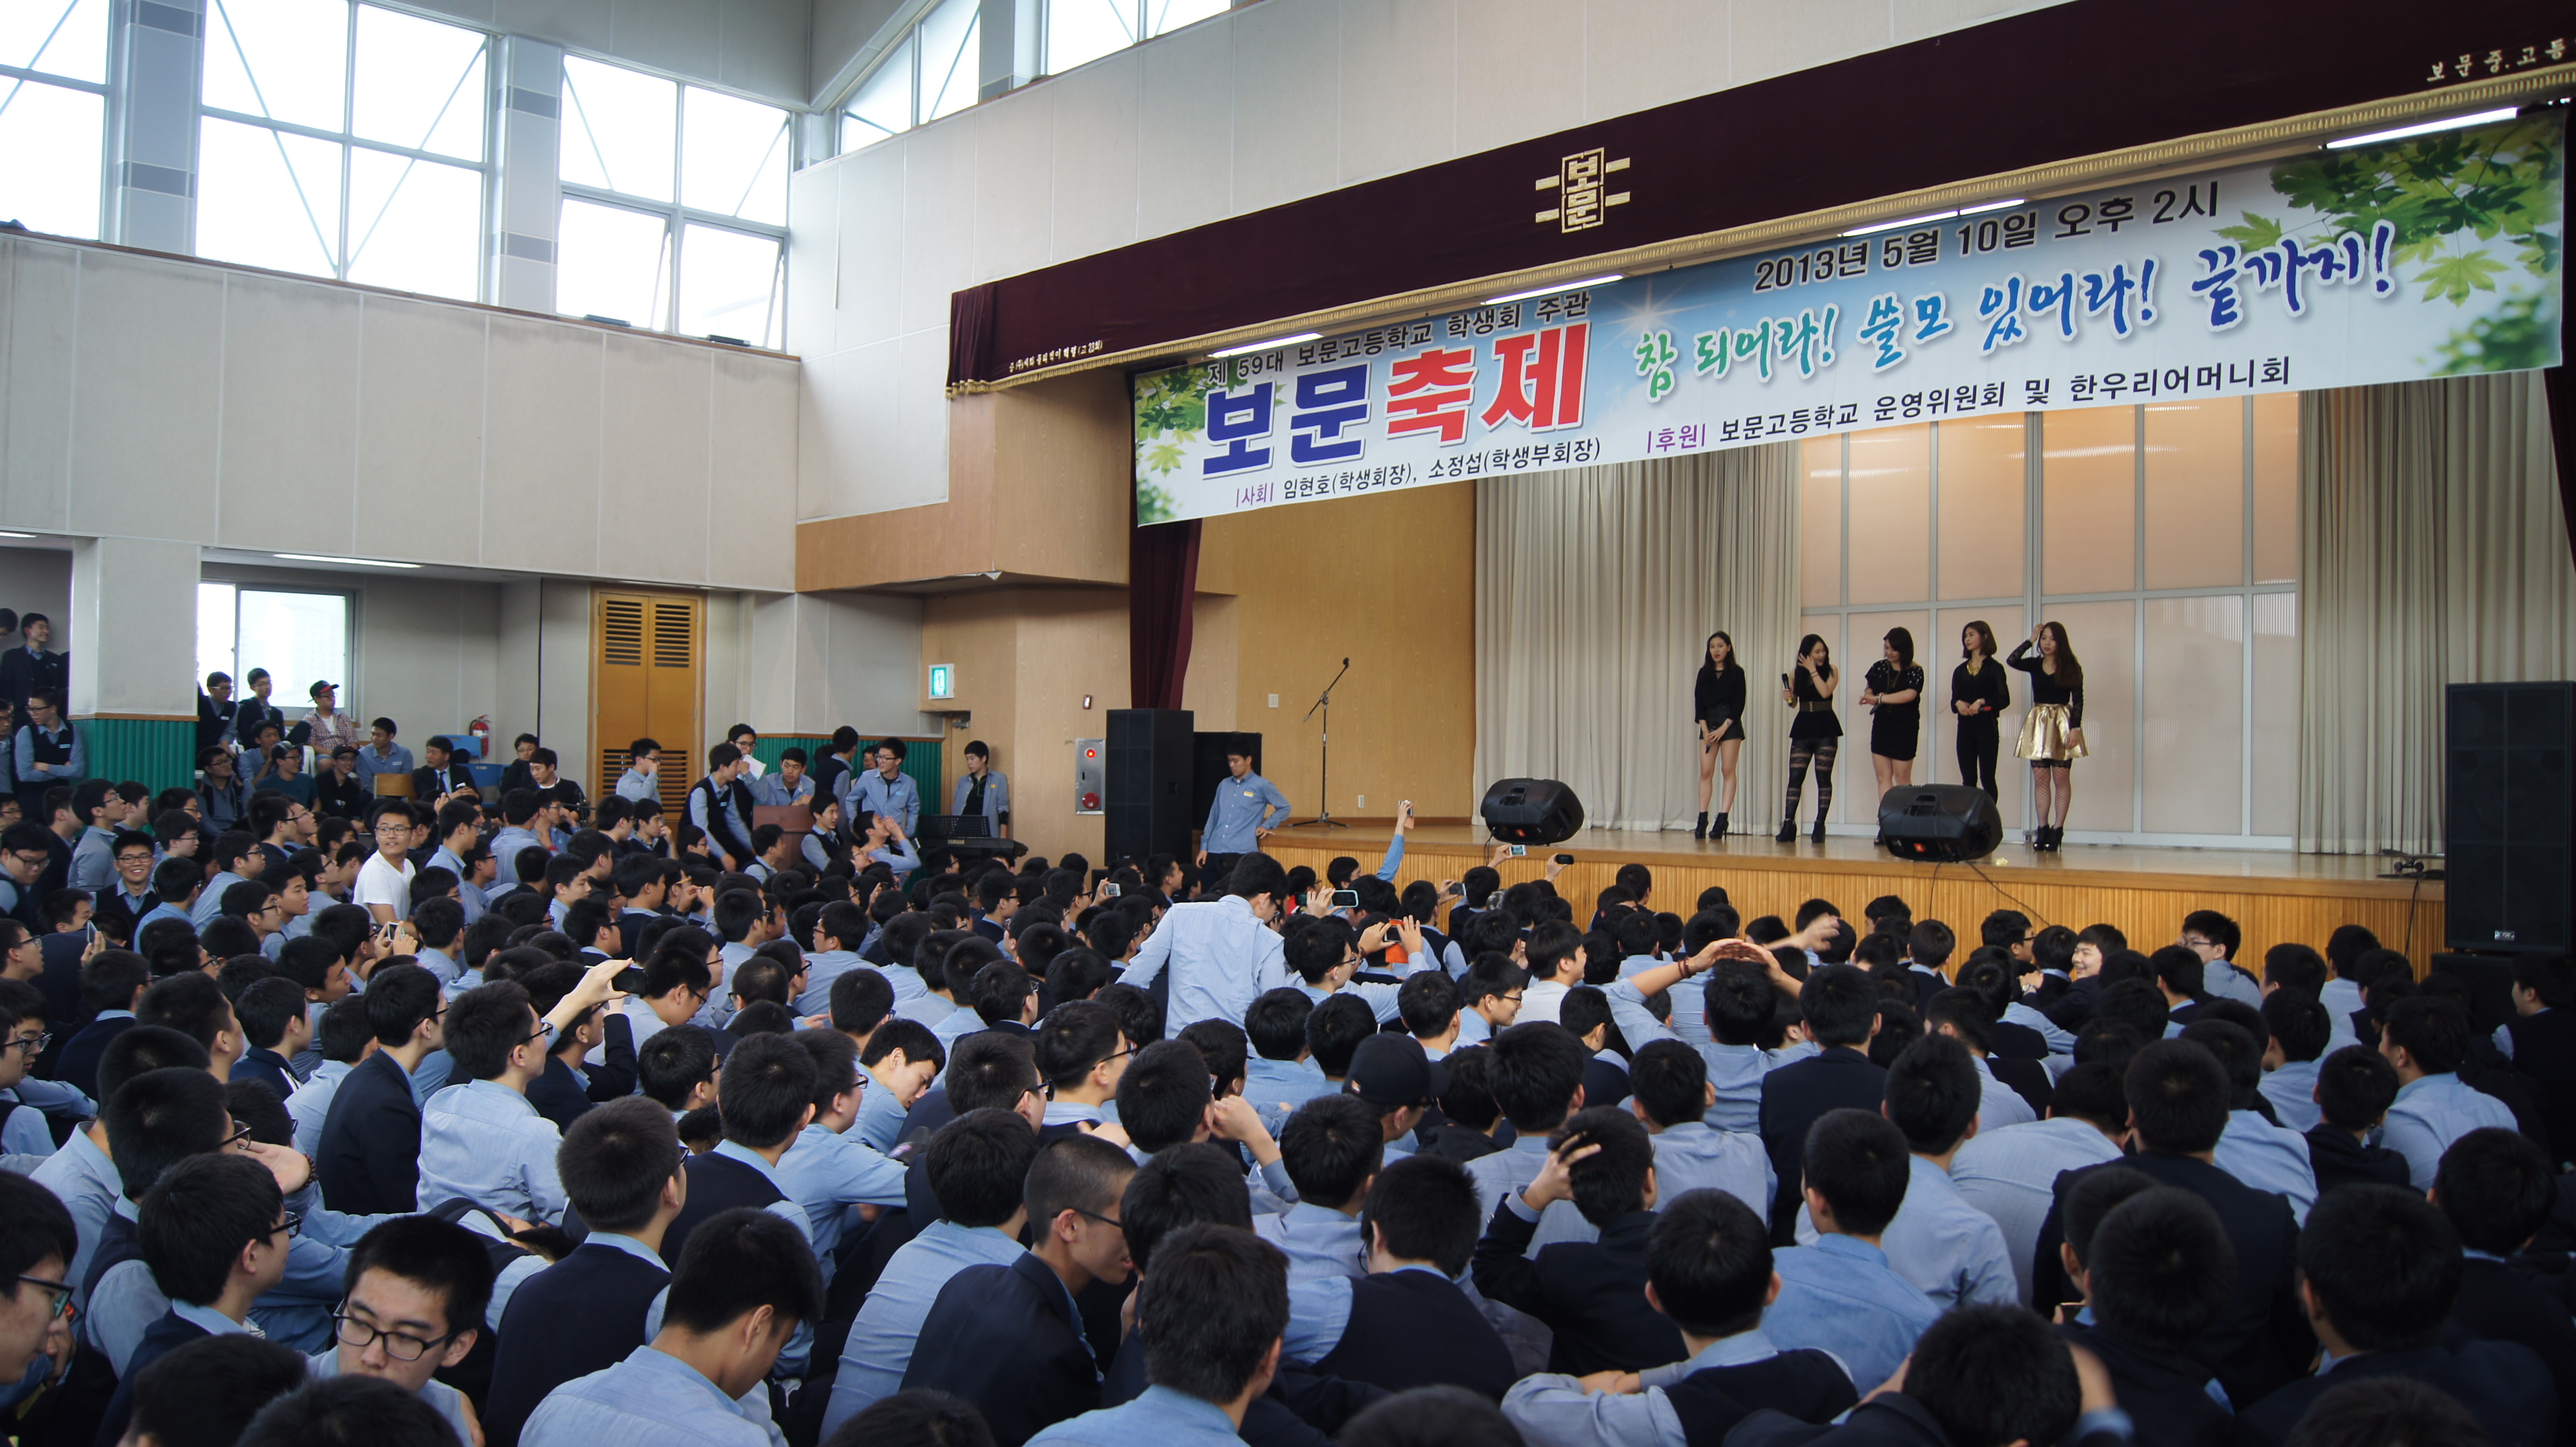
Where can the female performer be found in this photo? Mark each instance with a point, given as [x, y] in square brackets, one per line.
[1814, 735]
[1979, 693]
[1893, 691]
[2052, 733]
[1717, 704]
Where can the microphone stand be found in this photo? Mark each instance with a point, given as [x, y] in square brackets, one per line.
[1324, 774]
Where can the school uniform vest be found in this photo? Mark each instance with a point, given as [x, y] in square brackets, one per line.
[581, 1315]
[1806, 1384]
[717, 1183]
[1414, 1329]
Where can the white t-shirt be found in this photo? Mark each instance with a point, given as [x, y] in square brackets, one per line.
[379, 884]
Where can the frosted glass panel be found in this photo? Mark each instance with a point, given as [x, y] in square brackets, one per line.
[2104, 636]
[1891, 514]
[2276, 487]
[2196, 494]
[1858, 803]
[2195, 725]
[1982, 490]
[2276, 712]
[1941, 742]
[1820, 523]
[2088, 502]
[296, 635]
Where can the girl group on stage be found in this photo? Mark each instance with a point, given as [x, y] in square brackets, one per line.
[2052, 732]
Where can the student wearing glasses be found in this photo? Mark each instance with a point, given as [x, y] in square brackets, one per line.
[483, 1140]
[417, 1290]
[36, 1248]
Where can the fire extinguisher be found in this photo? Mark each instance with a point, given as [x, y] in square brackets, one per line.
[481, 729]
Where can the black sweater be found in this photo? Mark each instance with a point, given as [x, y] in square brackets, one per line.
[2045, 687]
[1988, 685]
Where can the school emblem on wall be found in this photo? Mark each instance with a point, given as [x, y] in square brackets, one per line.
[1582, 187]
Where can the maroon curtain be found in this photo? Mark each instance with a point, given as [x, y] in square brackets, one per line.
[970, 334]
[1162, 579]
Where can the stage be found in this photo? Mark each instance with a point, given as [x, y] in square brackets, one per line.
[2272, 895]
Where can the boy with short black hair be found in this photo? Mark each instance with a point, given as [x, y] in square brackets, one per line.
[1670, 1095]
[1709, 1270]
[1586, 1292]
[412, 1305]
[1841, 1294]
[1332, 1146]
[1211, 1317]
[214, 1232]
[2355, 1086]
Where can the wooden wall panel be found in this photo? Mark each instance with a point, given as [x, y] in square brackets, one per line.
[1390, 582]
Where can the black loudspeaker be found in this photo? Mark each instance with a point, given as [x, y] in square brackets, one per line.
[1208, 769]
[2511, 808]
[1940, 823]
[1532, 811]
[1148, 809]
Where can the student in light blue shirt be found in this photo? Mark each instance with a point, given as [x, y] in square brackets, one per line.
[643, 766]
[1739, 999]
[381, 755]
[101, 810]
[828, 1169]
[785, 785]
[1332, 1147]
[2427, 1038]
[902, 1058]
[1247, 808]
[1669, 1091]
[745, 1283]
[2011, 1174]
[1211, 1317]
[482, 1140]
[1222, 953]
[1280, 1073]
[884, 788]
[1325, 955]
[1840, 1295]
[977, 1166]
[2300, 1029]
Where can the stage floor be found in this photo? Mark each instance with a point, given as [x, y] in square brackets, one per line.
[2274, 895]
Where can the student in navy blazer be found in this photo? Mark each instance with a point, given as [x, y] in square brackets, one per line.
[369, 1162]
[1009, 1338]
[620, 1166]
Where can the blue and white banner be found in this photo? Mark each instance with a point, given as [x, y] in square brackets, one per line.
[2436, 255]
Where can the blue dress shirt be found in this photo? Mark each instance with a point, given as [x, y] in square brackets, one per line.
[311, 1102]
[1736, 1070]
[1222, 958]
[826, 1172]
[485, 1142]
[2011, 1175]
[1556, 1410]
[1503, 1174]
[87, 1183]
[869, 790]
[2268, 1158]
[1952, 1252]
[881, 1340]
[1286, 1084]
[1160, 1417]
[2431, 1112]
[1692, 1157]
[2292, 1089]
[1319, 1241]
[651, 1399]
[396, 759]
[1243, 807]
[1840, 1296]
[822, 967]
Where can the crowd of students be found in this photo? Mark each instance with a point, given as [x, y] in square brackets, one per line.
[459, 1126]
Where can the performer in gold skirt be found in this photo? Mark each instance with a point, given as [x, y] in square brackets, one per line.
[2052, 733]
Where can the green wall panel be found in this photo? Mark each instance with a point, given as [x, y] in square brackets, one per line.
[159, 753]
[922, 760]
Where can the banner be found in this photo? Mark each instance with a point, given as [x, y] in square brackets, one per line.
[2436, 255]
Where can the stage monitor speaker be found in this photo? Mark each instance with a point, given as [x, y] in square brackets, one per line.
[1149, 783]
[1532, 811]
[2512, 807]
[1207, 767]
[1940, 823]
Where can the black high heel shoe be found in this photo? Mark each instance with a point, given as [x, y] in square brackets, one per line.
[1700, 830]
[1818, 837]
[1718, 829]
[1788, 832]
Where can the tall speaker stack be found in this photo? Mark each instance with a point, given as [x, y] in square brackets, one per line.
[1148, 808]
[2511, 822]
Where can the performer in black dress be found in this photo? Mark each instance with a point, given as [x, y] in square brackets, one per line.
[1893, 692]
[1717, 707]
[1815, 734]
[2052, 733]
[1979, 693]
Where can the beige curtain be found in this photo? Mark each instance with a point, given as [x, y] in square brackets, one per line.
[1596, 589]
[2434, 550]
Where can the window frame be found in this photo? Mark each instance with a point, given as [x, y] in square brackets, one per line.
[484, 169]
[675, 215]
[292, 707]
[111, 102]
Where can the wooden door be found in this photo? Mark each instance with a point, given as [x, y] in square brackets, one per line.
[646, 682]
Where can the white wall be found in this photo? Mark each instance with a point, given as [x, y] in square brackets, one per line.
[152, 397]
[754, 46]
[815, 661]
[1262, 105]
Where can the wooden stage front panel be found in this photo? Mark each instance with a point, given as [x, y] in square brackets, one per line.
[2272, 895]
